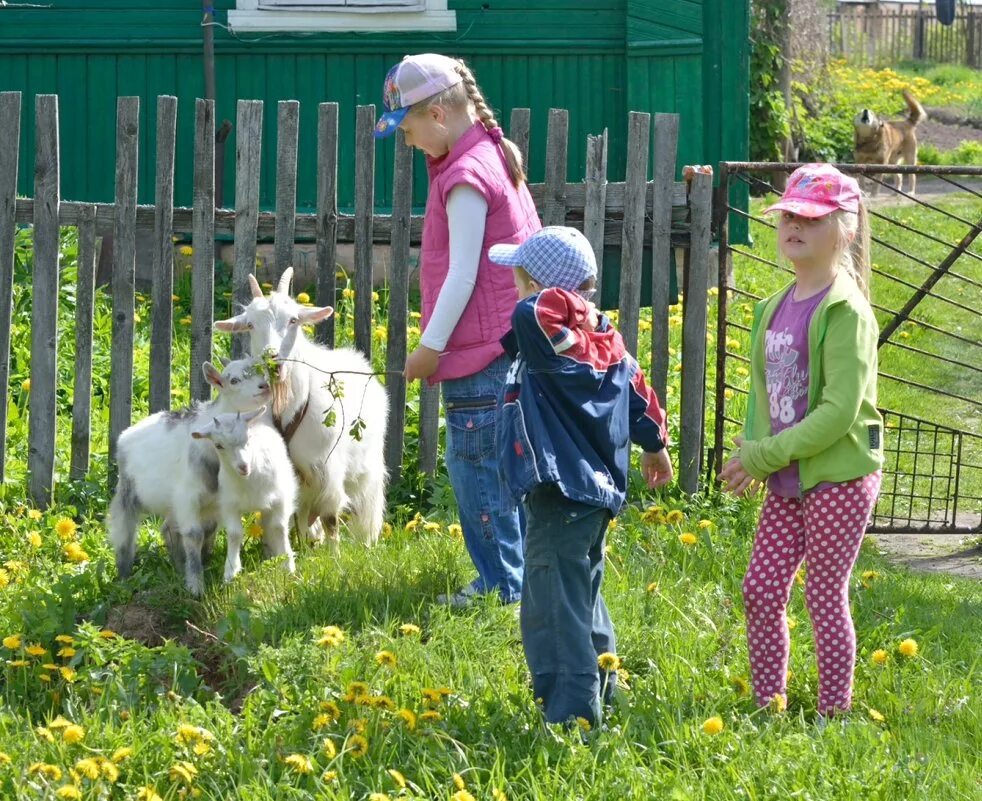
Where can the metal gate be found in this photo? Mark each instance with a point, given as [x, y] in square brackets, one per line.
[927, 296]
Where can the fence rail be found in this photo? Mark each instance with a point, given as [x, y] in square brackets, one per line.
[873, 37]
[634, 215]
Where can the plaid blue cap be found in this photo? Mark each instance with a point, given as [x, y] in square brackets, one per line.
[556, 256]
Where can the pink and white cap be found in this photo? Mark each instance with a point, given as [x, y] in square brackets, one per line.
[815, 190]
[413, 79]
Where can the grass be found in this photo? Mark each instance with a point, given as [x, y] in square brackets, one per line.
[239, 703]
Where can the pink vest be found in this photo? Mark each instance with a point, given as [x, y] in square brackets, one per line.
[477, 161]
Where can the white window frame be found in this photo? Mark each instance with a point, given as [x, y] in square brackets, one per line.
[340, 15]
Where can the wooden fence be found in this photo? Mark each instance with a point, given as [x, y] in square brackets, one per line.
[877, 38]
[632, 215]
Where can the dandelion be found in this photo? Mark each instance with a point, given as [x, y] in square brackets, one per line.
[386, 659]
[182, 772]
[409, 629]
[358, 725]
[330, 637]
[329, 748]
[498, 795]
[347, 293]
[303, 297]
[320, 722]
[109, 770]
[5, 758]
[202, 748]
[876, 715]
[455, 531]
[430, 716]
[652, 587]
[329, 776]
[67, 652]
[75, 553]
[36, 650]
[108, 634]
[688, 538]
[68, 791]
[879, 656]
[398, 778]
[792, 624]
[26, 387]
[608, 661]
[462, 795]
[713, 725]
[740, 685]
[413, 524]
[73, 734]
[908, 647]
[33, 514]
[382, 702]
[378, 797]
[434, 526]
[88, 767]
[331, 709]
[4, 578]
[653, 514]
[357, 746]
[408, 717]
[778, 702]
[299, 763]
[357, 688]
[728, 393]
[52, 772]
[68, 674]
[44, 734]
[584, 724]
[185, 250]
[18, 663]
[13, 642]
[705, 523]
[674, 516]
[122, 754]
[34, 539]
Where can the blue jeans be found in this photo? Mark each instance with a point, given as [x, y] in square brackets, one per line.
[493, 531]
[564, 620]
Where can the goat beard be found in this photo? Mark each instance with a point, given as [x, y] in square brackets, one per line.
[282, 395]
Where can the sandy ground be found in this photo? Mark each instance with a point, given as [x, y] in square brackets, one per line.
[955, 554]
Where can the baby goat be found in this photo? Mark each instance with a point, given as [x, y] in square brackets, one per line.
[255, 474]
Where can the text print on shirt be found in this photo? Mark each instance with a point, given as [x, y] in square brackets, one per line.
[786, 383]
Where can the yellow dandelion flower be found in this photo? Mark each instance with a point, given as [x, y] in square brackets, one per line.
[68, 674]
[434, 526]
[183, 773]
[33, 514]
[652, 587]
[870, 575]
[408, 717]
[88, 767]
[455, 531]
[13, 642]
[44, 677]
[347, 293]
[109, 770]
[4, 579]
[202, 748]
[381, 332]
[358, 725]
[122, 754]
[5, 758]
[357, 688]
[34, 539]
[331, 709]
[16, 566]
[498, 795]
[36, 650]
[65, 639]
[382, 702]
[458, 781]
[674, 516]
[185, 250]
[44, 769]
[584, 724]
[378, 797]
[26, 387]
[608, 661]
[73, 734]
[303, 297]
[329, 748]
[653, 514]
[908, 647]
[740, 685]
[705, 523]
[688, 538]
[409, 629]
[462, 795]
[398, 778]
[75, 553]
[357, 746]
[68, 791]
[879, 656]
[67, 652]
[876, 715]
[18, 663]
[299, 763]
[320, 722]
[713, 725]
[778, 702]
[329, 776]
[44, 734]
[386, 659]
[108, 634]
[413, 524]
[430, 716]
[792, 624]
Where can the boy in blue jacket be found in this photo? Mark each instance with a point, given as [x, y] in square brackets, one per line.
[573, 402]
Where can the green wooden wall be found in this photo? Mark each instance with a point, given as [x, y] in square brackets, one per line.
[597, 58]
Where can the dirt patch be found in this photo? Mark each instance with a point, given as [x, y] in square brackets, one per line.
[945, 136]
[141, 621]
[956, 555]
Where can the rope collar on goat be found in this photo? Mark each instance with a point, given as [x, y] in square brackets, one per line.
[291, 429]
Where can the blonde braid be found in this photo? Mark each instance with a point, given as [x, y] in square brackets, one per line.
[513, 156]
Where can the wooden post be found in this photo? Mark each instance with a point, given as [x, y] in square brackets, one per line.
[124, 268]
[364, 219]
[203, 275]
[287, 127]
[694, 335]
[248, 162]
[9, 155]
[84, 313]
[44, 303]
[327, 216]
[162, 290]
[554, 206]
[666, 146]
[595, 203]
[518, 132]
[395, 351]
[632, 247]
[919, 22]
[429, 427]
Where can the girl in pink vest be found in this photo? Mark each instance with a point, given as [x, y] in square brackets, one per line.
[477, 198]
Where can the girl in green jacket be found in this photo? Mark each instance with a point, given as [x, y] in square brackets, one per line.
[812, 434]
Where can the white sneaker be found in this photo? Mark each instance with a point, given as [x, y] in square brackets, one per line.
[460, 599]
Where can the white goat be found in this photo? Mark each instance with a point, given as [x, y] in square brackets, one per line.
[163, 471]
[339, 469]
[254, 475]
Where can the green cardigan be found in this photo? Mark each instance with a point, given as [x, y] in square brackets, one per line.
[840, 438]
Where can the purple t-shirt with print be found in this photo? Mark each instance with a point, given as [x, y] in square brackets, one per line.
[786, 355]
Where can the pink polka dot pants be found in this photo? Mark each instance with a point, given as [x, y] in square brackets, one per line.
[825, 530]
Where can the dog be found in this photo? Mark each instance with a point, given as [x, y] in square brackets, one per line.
[889, 141]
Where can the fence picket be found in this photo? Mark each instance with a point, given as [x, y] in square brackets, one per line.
[518, 132]
[327, 215]
[632, 247]
[162, 313]
[84, 313]
[9, 155]
[287, 132]
[554, 202]
[395, 351]
[203, 268]
[124, 269]
[594, 217]
[429, 426]
[44, 303]
[364, 211]
[666, 145]
[693, 395]
[248, 162]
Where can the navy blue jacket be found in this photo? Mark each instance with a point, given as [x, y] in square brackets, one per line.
[574, 400]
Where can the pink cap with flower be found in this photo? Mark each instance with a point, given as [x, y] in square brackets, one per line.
[815, 190]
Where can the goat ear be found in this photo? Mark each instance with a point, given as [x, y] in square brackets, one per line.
[315, 315]
[204, 432]
[257, 291]
[232, 324]
[212, 375]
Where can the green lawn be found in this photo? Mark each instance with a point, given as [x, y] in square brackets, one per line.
[241, 703]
